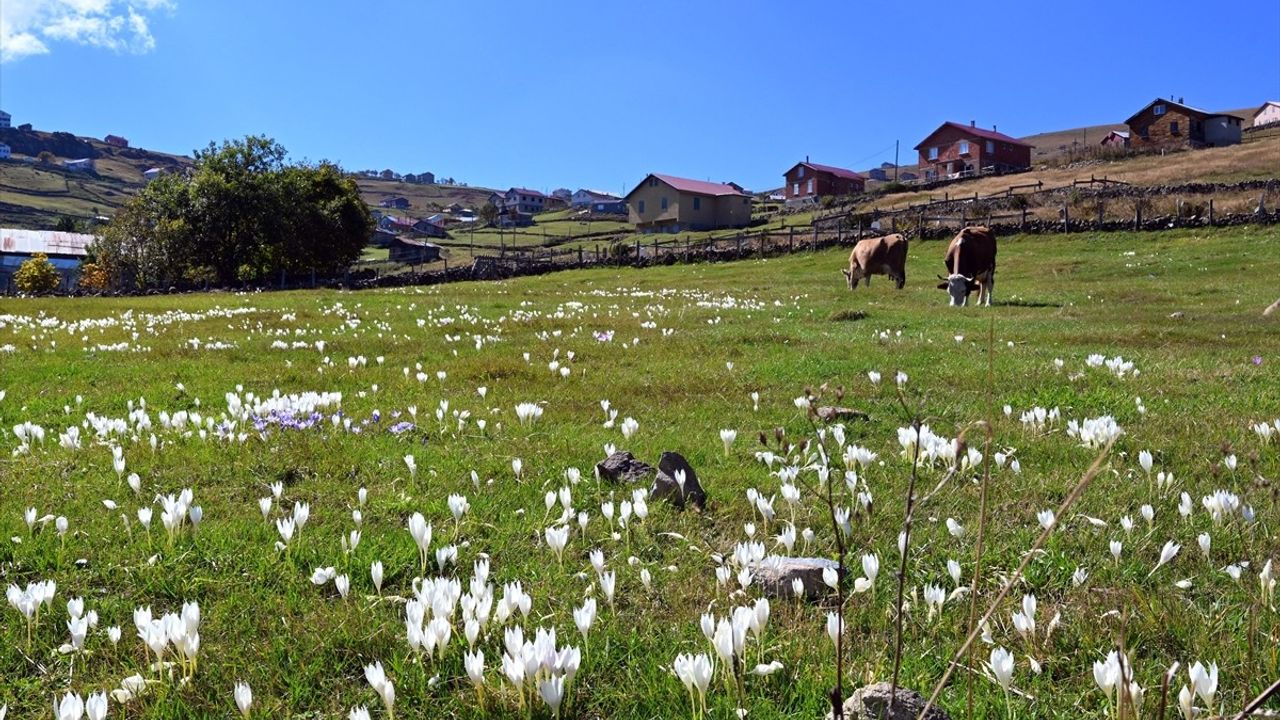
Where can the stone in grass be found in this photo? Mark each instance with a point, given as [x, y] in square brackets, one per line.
[776, 573]
[623, 466]
[665, 485]
[872, 703]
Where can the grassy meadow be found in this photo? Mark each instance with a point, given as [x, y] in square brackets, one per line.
[680, 350]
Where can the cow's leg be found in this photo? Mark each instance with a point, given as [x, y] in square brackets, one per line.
[990, 286]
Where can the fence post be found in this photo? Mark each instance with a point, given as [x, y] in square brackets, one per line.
[1211, 211]
[791, 241]
[1023, 223]
[859, 227]
[739, 243]
[637, 251]
[963, 218]
[1066, 218]
[579, 255]
[1137, 214]
[815, 238]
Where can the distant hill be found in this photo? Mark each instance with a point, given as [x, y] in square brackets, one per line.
[35, 194]
[423, 199]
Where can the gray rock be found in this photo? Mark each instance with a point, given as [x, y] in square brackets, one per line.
[775, 574]
[872, 703]
[666, 487]
[622, 466]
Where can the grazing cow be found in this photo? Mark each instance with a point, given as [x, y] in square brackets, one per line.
[878, 256]
[971, 264]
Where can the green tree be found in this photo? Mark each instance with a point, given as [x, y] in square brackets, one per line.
[243, 214]
[37, 275]
[488, 213]
[66, 223]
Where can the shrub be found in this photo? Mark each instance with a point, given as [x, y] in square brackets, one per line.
[93, 276]
[37, 275]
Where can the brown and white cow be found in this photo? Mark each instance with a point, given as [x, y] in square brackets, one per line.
[971, 264]
[878, 256]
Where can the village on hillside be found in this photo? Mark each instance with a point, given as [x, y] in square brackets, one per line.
[73, 184]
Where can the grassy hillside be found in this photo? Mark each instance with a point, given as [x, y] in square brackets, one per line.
[423, 199]
[36, 195]
[681, 350]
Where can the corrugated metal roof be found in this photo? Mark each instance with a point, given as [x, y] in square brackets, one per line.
[838, 172]
[972, 130]
[49, 242]
[698, 187]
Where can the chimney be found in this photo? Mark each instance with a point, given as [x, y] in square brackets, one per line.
[995, 129]
[806, 158]
[973, 123]
[1179, 100]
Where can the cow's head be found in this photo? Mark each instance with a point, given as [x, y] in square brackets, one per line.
[958, 287]
[853, 276]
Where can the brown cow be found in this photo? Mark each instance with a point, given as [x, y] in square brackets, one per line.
[878, 256]
[971, 264]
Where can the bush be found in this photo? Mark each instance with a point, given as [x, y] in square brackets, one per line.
[93, 276]
[37, 275]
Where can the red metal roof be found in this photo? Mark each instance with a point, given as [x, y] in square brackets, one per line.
[697, 187]
[838, 172]
[976, 131]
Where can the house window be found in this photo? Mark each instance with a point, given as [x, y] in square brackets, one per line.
[810, 190]
[1157, 110]
[964, 147]
[640, 207]
[991, 147]
[697, 203]
[664, 202]
[933, 153]
[795, 188]
[1173, 127]
[801, 173]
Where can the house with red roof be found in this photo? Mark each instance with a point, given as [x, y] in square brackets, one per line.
[666, 203]
[810, 182]
[116, 141]
[955, 150]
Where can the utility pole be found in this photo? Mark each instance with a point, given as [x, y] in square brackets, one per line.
[895, 160]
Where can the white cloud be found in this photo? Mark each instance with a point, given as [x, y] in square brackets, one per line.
[29, 27]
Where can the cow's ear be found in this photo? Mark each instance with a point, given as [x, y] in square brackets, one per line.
[942, 286]
[844, 272]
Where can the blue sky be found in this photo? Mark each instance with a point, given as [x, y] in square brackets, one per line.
[597, 94]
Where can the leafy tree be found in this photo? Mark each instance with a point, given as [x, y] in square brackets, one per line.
[243, 214]
[66, 223]
[488, 213]
[45, 157]
[37, 275]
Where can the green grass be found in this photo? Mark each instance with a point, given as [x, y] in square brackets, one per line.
[785, 324]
